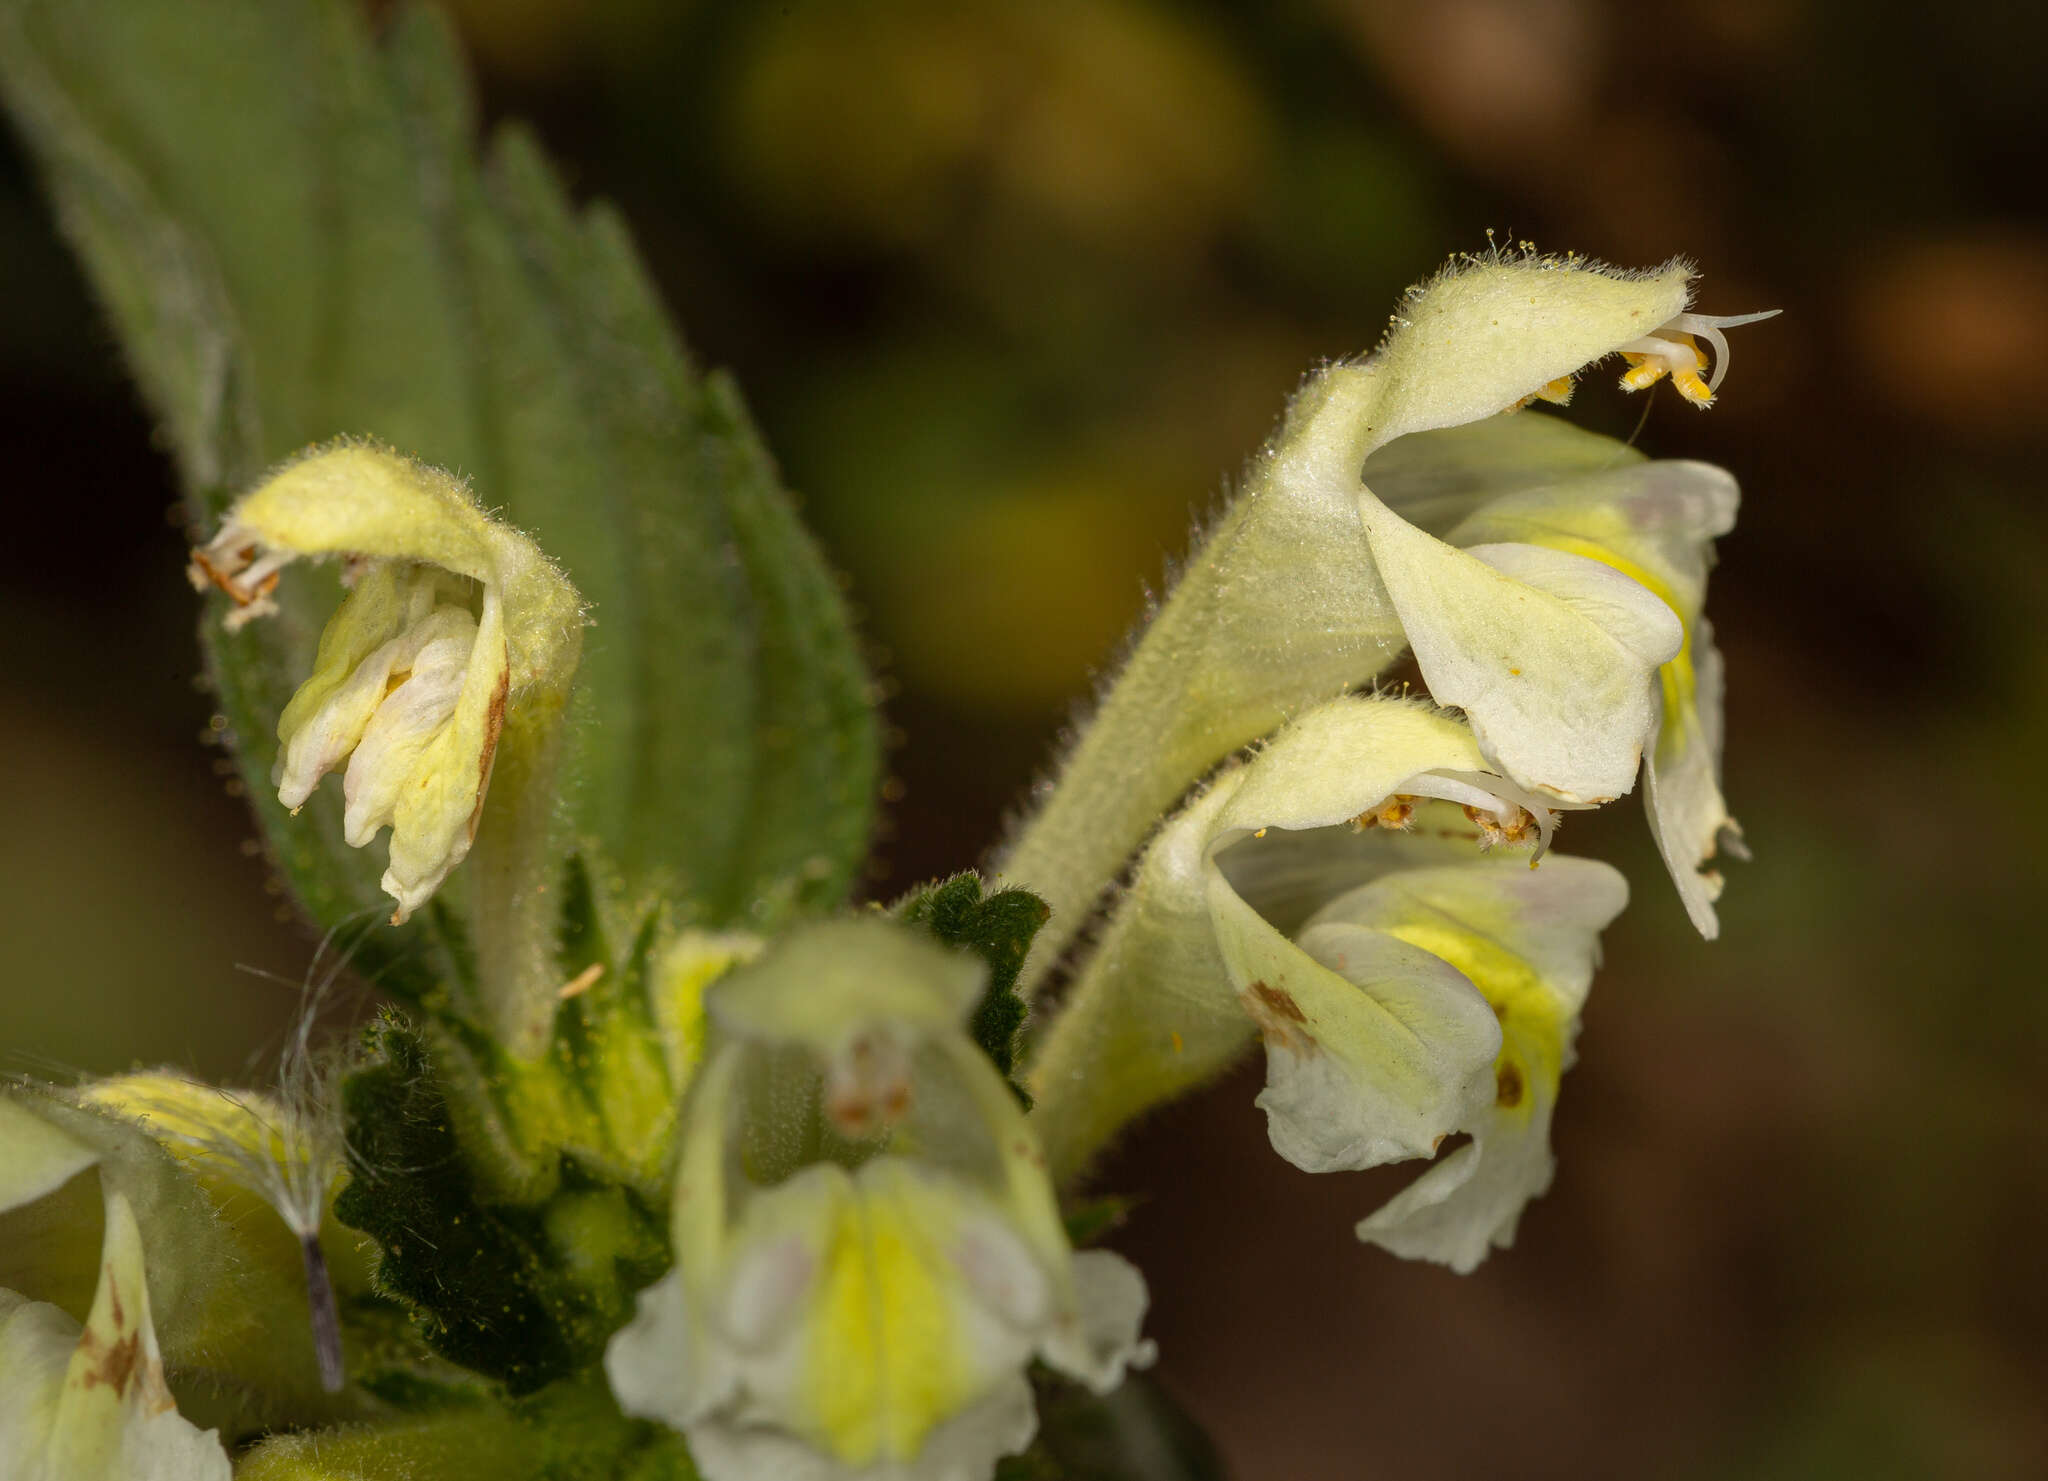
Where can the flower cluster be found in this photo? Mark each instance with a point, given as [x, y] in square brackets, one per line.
[795, 1197]
[1340, 891]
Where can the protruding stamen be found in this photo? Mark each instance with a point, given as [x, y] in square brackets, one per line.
[1669, 349]
[1709, 327]
[1654, 356]
[237, 561]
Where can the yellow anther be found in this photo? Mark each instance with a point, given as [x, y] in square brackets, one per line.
[1505, 829]
[1396, 812]
[1692, 388]
[1557, 392]
[1642, 373]
[1676, 355]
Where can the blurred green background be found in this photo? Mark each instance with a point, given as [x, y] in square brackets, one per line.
[1014, 289]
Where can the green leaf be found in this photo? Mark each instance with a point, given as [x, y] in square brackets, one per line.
[997, 928]
[524, 1295]
[293, 238]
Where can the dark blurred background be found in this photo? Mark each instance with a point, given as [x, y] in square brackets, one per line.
[1014, 288]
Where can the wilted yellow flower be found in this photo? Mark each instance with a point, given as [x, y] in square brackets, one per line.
[455, 619]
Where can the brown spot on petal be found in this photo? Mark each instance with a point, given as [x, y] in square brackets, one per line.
[1279, 1017]
[1279, 1001]
[117, 1363]
[494, 725]
[1508, 1085]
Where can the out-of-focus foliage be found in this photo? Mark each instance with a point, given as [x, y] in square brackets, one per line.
[1801, 1170]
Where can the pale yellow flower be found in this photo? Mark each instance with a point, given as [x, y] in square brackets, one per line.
[868, 1253]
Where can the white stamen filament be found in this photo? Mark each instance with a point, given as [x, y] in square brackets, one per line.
[237, 562]
[1709, 327]
[1675, 357]
[265, 566]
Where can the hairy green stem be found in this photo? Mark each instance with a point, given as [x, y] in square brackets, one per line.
[1280, 607]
